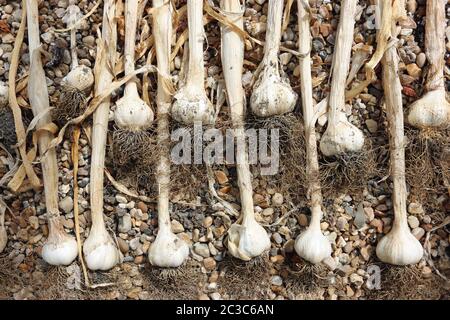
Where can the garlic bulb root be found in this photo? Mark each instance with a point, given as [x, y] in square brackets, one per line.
[247, 240]
[168, 251]
[100, 251]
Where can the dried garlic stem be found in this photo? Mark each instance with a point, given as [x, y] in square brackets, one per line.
[433, 109]
[341, 136]
[99, 248]
[247, 239]
[167, 250]
[399, 246]
[60, 248]
[311, 245]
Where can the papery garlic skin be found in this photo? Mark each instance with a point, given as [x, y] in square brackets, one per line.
[4, 95]
[191, 105]
[312, 245]
[81, 78]
[341, 137]
[60, 249]
[168, 251]
[430, 111]
[272, 95]
[3, 238]
[133, 113]
[399, 247]
[100, 251]
[247, 240]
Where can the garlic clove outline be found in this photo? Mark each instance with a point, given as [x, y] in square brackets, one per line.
[191, 105]
[133, 113]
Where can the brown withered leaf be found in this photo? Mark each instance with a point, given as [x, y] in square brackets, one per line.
[4, 27]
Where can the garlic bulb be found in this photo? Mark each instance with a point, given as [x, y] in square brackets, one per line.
[191, 102]
[399, 247]
[341, 136]
[168, 251]
[272, 93]
[433, 109]
[312, 245]
[132, 113]
[4, 95]
[81, 78]
[430, 111]
[247, 240]
[100, 251]
[59, 248]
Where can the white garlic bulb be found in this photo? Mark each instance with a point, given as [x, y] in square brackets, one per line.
[432, 110]
[312, 245]
[81, 78]
[399, 247]
[132, 112]
[247, 240]
[100, 251]
[168, 251]
[4, 95]
[60, 248]
[341, 137]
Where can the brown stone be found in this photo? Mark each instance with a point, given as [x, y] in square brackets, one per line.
[221, 177]
[209, 263]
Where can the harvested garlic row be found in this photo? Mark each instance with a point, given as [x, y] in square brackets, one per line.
[311, 245]
[248, 239]
[99, 249]
[59, 248]
[167, 251]
[399, 246]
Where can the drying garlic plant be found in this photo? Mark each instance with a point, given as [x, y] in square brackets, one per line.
[99, 249]
[428, 151]
[399, 247]
[347, 160]
[133, 117]
[78, 82]
[60, 248]
[246, 239]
